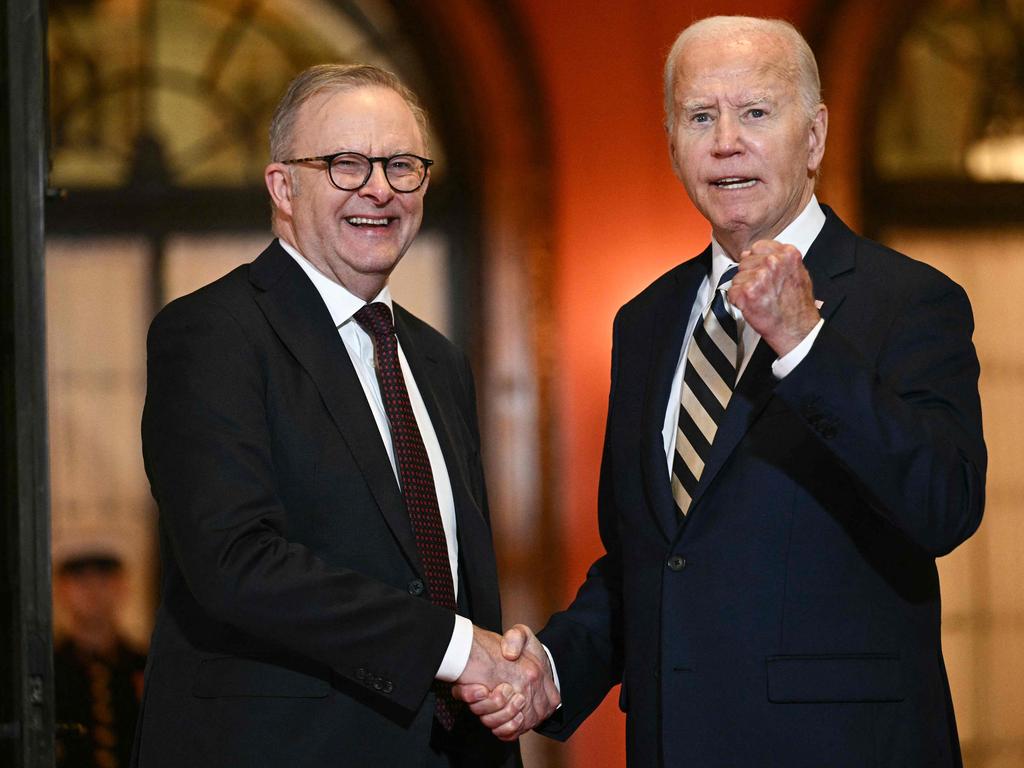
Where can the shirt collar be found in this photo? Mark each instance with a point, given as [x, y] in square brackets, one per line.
[800, 233]
[341, 303]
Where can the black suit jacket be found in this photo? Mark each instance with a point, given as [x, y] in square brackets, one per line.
[294, 627]
[793, 618]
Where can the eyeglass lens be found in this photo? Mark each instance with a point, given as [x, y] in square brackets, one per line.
[351, 170]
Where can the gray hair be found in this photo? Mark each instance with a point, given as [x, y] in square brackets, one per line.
[801, 68]
[333, 77]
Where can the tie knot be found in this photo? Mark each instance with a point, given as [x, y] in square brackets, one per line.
[727, 276]
[375, 319]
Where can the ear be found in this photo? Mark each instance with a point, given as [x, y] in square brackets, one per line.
[281, 186]
[816, 138]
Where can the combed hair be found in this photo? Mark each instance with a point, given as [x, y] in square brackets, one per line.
[804, 68]
[333, 77]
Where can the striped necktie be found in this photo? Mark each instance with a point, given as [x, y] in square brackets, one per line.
[708, 381]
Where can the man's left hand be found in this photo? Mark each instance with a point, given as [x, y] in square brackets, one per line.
[773, 290]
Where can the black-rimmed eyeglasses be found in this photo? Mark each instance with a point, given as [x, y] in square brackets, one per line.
[349, 171]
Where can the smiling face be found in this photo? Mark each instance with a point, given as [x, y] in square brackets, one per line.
[742, 142]
[355, 237]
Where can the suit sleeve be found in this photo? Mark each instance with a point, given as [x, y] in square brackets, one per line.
[208, 454]
[585, 640]
[905, 426]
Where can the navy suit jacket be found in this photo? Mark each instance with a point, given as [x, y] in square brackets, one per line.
[294, 627]
[793, 618]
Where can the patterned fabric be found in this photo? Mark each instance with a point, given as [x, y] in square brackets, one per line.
[708, 382]
[415, 476]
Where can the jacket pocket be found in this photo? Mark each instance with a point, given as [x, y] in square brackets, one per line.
[238, 676]
[867, 677]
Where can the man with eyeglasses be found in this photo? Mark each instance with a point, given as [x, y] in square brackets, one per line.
[328, 571]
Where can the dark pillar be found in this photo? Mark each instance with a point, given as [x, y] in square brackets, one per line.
[26, 677]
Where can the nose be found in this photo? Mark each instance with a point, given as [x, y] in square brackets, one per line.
[377, 187]
[728, 139]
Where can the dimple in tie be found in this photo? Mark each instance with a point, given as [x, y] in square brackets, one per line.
[708, 382]
[415, 476]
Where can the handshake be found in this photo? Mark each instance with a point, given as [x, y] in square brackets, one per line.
[508, 682]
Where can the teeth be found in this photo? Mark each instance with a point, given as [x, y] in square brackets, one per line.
[368, 221]
[735, 183]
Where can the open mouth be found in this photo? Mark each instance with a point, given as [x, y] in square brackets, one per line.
[369, 221]
[734, 182]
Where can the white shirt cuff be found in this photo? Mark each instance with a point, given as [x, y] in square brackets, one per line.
[457, 655]
[554, 672]
[782, 367]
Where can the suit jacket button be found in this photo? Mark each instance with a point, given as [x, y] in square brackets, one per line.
[416, 587]
[676, 563]
[360, 674]
[388, 686]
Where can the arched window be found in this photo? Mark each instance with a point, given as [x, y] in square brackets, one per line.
[947, 140]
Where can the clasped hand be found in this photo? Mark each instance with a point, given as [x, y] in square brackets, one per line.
[508, 682]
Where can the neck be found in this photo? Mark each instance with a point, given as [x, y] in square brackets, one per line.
[364, 285]
[735, 242]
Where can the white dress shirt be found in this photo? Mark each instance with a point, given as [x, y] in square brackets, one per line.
[343, 305]
[801, 233]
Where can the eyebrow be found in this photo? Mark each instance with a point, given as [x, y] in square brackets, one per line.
[748, 100]
[695, 106]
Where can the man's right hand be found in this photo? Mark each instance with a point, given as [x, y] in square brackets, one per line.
[507, 682]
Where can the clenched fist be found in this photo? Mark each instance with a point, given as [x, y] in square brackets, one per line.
[773, 291]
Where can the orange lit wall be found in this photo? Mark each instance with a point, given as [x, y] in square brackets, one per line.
[621, 220]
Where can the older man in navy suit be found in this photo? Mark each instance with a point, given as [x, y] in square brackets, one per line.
[794, 435]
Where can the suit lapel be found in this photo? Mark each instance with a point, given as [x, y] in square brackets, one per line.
[667, 335]
[298, 315]
[474, 533]
[831, 254]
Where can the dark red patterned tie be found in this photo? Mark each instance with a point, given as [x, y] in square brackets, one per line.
[415, 476]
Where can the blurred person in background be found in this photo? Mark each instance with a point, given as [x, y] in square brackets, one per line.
[97, 671]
